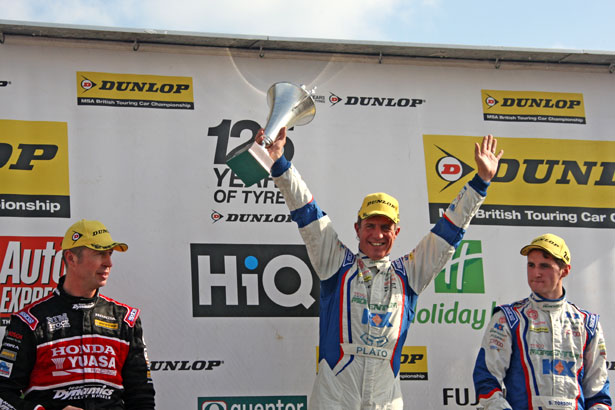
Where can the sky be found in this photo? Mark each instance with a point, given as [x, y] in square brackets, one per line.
[540, 24]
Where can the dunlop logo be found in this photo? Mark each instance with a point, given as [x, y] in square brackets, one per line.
[413, 363]
[539, 182]
[134, 90]
[34, 169]
[533, 106]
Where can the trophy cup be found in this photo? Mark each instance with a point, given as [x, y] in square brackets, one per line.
[289, 105]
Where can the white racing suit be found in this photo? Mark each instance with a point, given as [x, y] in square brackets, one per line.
[367, 306]
[549, 354]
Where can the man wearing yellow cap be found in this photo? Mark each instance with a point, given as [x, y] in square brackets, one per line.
[77, 349]
[367, 301]
[546, 351]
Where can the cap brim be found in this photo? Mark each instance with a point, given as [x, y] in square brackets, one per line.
[380, 214]
[116, 246]
[526, 249]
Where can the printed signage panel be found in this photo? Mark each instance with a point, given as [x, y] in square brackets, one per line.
[134, 90]
[533, 106]
[34, 169]
[540, 182]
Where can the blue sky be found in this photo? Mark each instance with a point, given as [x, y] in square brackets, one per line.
[562, 24]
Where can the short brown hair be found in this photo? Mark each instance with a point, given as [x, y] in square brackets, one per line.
[77, 251]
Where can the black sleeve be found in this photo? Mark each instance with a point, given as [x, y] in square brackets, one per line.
[17, 359]
[138, 386]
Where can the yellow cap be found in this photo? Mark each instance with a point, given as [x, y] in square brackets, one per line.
[380, 204]
[92, 234]
[549, 243]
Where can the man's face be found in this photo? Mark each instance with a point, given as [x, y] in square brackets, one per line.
[91, 269]
[544, 275]
[376, 236]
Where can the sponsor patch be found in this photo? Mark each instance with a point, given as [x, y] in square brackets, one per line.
[106, 325]
[8, 354]
[58, 322]
[5, 368]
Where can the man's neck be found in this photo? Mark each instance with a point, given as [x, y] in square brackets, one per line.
[73, 289]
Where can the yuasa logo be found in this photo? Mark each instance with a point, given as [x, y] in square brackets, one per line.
[252, 280]
[464, 273]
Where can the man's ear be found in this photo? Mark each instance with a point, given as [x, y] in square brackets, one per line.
[566, 271]
[69, 257]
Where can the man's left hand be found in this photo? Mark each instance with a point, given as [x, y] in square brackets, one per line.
[486, 159]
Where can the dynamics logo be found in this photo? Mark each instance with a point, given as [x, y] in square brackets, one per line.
[464, 273]
[533, 106]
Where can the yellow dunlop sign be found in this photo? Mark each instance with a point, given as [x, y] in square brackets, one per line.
[134, 90]
[34, 169]
[413, 363]
[533, 106]
[540, 182]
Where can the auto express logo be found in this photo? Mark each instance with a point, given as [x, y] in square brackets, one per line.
[248, 280]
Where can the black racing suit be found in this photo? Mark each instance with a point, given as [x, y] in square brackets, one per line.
[83, 352]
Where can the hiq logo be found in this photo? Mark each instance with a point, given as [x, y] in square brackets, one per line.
[464, 273]
[234, 280]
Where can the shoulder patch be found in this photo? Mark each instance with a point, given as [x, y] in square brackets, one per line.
[591, 320]
[398, 266]
[132, 313]
[509, 313]
[28, 319]
[349, 258]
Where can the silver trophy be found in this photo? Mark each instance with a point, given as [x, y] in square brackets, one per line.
[289, 105]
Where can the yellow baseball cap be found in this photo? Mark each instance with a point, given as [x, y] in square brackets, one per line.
[380, 203]
[549, 243]
[92, 234]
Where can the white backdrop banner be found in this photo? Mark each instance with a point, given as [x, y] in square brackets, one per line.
[229, 299]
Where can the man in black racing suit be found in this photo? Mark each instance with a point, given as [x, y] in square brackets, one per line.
[77, 349]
